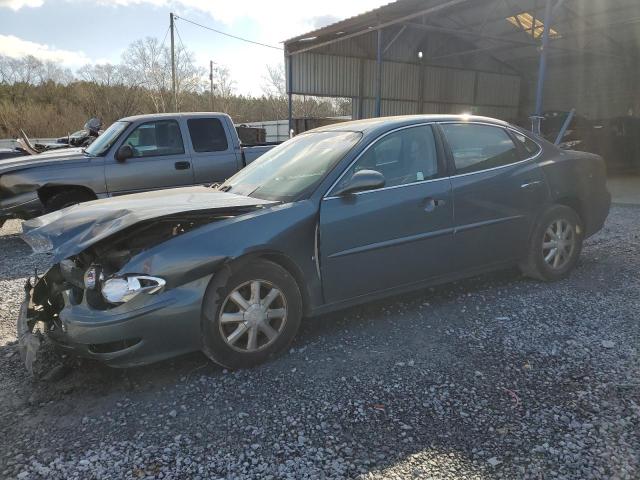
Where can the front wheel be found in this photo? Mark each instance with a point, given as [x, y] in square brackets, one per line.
[66, 199]
[555, 245]
[252, 316]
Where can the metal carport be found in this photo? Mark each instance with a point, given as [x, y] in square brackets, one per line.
[489, 57]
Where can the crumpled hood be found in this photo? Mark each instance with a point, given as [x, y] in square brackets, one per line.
[71, 230]
[46, 158]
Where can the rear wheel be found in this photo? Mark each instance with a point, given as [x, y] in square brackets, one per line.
[250, 316]
[66, 199]
[555, 245]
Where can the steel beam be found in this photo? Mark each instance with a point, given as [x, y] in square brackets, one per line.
[360, 88]
[542, 70]
[395, 37]
[379, 74]
[565, 126]
[462, 32]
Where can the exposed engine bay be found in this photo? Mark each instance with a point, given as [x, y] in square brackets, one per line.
[85, 277]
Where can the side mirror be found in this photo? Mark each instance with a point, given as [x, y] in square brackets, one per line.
[361, 181]
[124, 152]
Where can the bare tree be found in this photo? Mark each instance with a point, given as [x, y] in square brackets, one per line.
[273, 82]
[224, 87]
[108, 91]
[150, 62]
[31, 70]
[147, 60]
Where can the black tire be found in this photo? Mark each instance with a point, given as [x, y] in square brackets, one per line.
[535, 265]
[66, 199]
[217, 302]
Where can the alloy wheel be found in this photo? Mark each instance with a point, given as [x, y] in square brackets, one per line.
[253, 316]
[558, 244]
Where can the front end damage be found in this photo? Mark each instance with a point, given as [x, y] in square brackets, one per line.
[29, 342]
[95, 304]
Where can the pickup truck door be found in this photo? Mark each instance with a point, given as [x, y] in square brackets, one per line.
[215, 154]
[498, 192]
[159, 159]
[394, 236]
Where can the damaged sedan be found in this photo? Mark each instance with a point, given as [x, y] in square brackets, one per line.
[334, 217]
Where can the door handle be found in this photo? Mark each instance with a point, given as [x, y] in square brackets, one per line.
[432, 203]
[531, 184]
[182, 165]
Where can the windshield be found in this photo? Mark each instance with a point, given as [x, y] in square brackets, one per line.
[103, 142]
[293, 168]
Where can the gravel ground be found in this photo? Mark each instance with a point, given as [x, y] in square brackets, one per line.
[493, 377]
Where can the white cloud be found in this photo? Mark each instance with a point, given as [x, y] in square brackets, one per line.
[18, 4]
[15, 47]
[274, 21]
[277, 19]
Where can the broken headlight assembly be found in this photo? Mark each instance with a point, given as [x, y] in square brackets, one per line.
[121, 289]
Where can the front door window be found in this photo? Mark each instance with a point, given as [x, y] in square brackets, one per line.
[155, 139]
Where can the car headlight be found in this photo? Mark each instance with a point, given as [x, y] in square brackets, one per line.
[123, 289]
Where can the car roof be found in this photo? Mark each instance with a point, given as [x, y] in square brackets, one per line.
[389, 123]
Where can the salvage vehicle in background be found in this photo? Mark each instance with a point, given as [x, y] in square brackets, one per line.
[81, 138]
[334, 217]
[145, 152]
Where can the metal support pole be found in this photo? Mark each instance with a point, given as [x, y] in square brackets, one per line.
[565, 126]
[542, 70]
[173, 65]
[290, 91]
[360, 105]
[379, 75]
[420, 106]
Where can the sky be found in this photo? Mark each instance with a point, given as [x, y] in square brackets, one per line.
[76, 32]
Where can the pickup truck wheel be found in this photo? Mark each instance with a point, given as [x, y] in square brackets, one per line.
[66, 199]
[555, 245]
[251, 315]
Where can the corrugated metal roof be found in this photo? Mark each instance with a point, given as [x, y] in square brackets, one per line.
[473, 58]
[590, 26]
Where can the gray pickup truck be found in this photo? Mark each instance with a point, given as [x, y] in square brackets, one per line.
[135, 154]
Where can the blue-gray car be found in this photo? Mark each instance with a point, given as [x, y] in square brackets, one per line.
[334, 217]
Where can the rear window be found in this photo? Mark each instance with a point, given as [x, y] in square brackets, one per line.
[207, 135]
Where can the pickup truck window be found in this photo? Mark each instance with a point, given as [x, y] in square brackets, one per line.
[103, 143]
[479, 147]
[207, 135]
[294, 168]
[154, 139]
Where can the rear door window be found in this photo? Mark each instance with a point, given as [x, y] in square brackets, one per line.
[479, 147]
[529, 147]
[207, 135]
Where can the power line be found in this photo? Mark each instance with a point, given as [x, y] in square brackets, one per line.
[180, 38]
[165, 38]
[228, 34]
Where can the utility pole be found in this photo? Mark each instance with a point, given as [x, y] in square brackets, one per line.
[173, 65]
[211, 79]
